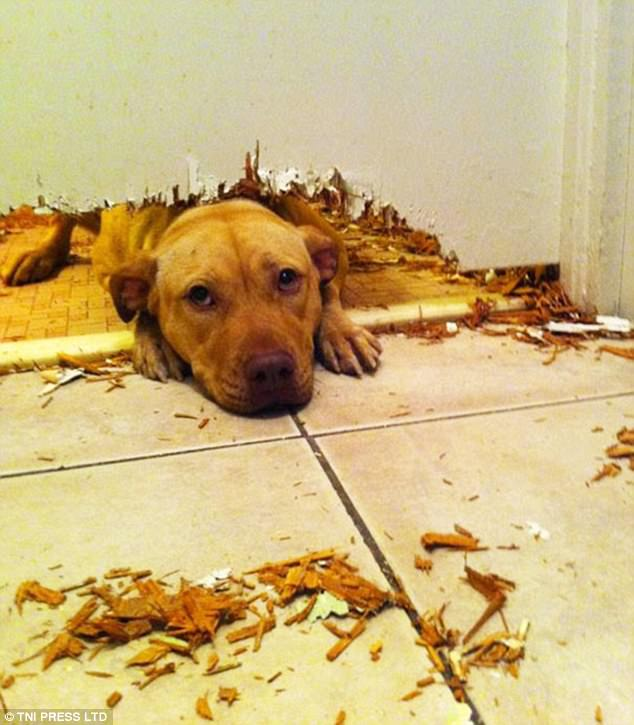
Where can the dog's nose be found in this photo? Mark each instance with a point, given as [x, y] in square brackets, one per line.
[270, 371]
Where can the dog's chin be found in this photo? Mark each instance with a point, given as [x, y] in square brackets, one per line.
[261, 403]
[277, 401]
[249, 402]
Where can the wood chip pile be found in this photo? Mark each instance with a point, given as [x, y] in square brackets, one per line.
[178, 623]
[546, 302]
[454, 654]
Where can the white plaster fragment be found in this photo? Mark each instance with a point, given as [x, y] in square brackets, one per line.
[537, 531]
[214, 578]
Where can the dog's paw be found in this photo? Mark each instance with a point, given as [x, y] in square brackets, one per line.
[348, 348]
[28, 265]
[154, 358]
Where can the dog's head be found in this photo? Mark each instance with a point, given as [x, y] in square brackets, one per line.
[236, 292]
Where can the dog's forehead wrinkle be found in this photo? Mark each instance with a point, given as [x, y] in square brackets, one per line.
[190, 260]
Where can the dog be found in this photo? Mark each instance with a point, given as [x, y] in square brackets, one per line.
[241, 295]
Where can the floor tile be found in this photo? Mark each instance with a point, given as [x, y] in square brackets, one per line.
[492, 474]
[85, 424]
[466, 374]
[196, 512]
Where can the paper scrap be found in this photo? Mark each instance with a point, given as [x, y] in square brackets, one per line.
[214, 578]
[66, 376]
[604, 323]
[614, 324]
[327, 604]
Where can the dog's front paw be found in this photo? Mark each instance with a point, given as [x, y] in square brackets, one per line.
[28, 265]
[38, 262]
[153, 356]
[348, 348]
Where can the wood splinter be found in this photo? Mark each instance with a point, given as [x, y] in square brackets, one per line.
[463, 542]
[346, 641]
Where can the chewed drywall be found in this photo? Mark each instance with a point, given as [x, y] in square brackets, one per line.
[451, 111]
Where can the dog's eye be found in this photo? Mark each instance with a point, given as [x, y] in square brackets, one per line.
[200, 296]
[288, 281]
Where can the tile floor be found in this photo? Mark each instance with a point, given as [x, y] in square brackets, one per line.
[476, 431]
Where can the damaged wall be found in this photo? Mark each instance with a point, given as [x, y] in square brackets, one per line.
[454, 112]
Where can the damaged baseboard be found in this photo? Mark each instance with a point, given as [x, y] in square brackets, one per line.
[432, 309]
[30, 354]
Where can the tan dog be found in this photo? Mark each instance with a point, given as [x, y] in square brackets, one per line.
[232, 290]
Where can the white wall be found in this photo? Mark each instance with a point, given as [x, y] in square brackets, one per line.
[597, 240]
[452, 110]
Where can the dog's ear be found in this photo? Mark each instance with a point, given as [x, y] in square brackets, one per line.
[130, 285]
[323, 251]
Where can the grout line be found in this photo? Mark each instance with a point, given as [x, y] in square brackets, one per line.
[147, 457]
[376, 551]
[468, 414]
[349, 506]
[303, 432]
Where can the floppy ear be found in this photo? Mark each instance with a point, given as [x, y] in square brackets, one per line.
[323, 250]
[130, 285]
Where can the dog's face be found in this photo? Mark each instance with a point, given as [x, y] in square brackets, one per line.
[236, 292]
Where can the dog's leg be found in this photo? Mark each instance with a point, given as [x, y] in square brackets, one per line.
[37, 263]
[342, 346]
[153, 356]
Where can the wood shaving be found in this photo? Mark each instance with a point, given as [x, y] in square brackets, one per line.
[626, 352]
[223, 668]
[426, 682]
[375, 650]
[623, 449]
[303, 613]
[431, 332]
[114, 698]
[117, 572]
[35, 592]
[22, 218]
[608, 470]
[148, 656]
[228, 695]
[155, 672]
[620, 450]
[202, 708]
[64, 645]
[334, 575]
[343, 643]
[72, 587]
[411, 695]
[463, 542]
[493, 588]
[423, 564]
[212, 661]
[626, 436]
[83, 614]
[253, 630]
